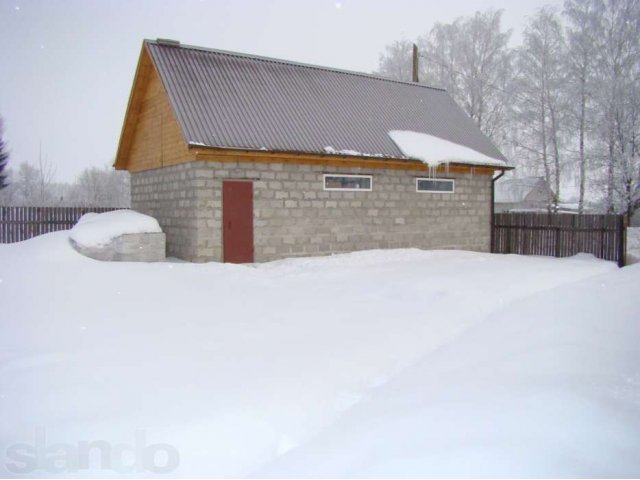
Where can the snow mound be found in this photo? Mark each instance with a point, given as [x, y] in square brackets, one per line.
[98, 229]
[435, 151]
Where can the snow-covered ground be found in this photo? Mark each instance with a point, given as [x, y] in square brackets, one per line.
[378, 363]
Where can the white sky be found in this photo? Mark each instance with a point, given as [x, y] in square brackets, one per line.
[67, 65]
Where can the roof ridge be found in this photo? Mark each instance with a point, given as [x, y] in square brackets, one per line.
[289, 62]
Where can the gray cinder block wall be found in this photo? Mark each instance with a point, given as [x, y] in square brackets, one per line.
[294, 216]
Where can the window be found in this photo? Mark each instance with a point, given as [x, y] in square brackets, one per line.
[349, 183]
[440, 185]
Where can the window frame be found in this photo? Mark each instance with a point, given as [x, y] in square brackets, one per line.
[452, 181]
[350, 175]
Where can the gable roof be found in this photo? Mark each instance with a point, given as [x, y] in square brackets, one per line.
[230, 100]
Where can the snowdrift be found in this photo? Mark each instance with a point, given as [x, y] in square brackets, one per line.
[378, 363]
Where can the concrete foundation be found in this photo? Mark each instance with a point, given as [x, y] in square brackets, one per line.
[134, 247]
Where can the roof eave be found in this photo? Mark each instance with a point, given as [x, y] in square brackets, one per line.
[196, 146]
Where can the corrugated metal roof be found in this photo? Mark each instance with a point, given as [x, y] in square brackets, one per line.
[231, 100]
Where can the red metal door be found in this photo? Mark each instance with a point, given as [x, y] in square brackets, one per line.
[237, 221]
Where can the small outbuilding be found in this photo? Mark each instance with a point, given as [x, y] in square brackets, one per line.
[243, 158]
[518, 194]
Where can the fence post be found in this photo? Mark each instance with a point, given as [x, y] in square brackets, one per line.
[622, 250]
[509, 228]
[574, 226]
[603, 228]
[558, 249]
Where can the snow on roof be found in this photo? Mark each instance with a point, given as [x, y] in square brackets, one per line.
[435, 151]
[98, 229]
[329, 149]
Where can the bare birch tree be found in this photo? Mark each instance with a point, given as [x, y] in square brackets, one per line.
[471, 59]
[100, 187]
[581, 55]
[396, 62]
[617, 65]
[539, 84]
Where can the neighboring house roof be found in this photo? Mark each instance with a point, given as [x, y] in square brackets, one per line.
[516, 190]
[230, 100]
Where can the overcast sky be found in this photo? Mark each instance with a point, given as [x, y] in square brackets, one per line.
[67, 65]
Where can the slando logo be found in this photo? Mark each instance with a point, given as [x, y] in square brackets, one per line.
[25, 458]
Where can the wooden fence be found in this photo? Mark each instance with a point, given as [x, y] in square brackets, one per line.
[559, 235]
[21, 223]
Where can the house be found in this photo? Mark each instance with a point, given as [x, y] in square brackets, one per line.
[244, 158]
[529, 193]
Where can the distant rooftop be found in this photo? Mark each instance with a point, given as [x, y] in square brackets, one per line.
[515, 190]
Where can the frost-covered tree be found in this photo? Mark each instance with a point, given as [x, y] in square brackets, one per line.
[617, 73]
[94, 187]
[8, 193]
[564, 104]
[440, 55]
[580, 66]
[396, 61]
[100, 187]
[33, 186]
[472, 60]
[540, 85]
[4, 158]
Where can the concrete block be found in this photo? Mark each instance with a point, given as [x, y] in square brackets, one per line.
[136, 247]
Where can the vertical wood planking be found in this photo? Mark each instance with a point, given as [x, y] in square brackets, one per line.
[22, 223]
[559, 235]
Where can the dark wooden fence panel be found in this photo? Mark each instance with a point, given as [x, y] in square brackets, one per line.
[21, 223]
[559, 235]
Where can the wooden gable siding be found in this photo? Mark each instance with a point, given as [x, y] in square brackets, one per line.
[157, 141]
[151, 136]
